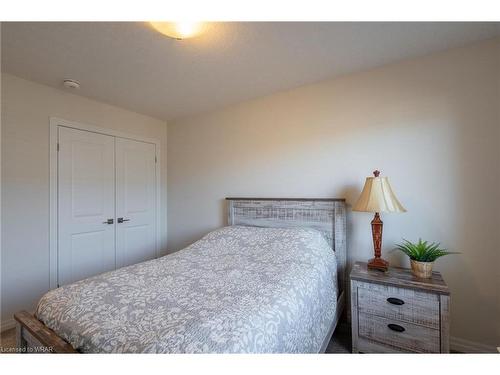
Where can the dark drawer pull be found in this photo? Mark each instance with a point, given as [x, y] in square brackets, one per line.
[396, 327]
[395, 301]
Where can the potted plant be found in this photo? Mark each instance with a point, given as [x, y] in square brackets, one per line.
[422, 256]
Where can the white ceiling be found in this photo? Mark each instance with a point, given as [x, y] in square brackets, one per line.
[132, 66]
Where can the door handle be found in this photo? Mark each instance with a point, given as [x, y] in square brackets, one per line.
[109, 221]
[121, 220]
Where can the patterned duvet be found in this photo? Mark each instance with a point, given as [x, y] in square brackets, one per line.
[237, 290]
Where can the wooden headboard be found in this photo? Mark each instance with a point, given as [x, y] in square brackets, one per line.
[326, 215]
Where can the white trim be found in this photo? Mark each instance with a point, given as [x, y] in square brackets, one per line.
[10, 323]
[55, 122]
[466, 346]
[158, 197]
[96, 129]
[7, 324]
[53, 138]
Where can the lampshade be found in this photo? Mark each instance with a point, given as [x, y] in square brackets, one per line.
[377, 196]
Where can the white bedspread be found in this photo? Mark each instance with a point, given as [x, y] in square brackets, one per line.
[238, 289]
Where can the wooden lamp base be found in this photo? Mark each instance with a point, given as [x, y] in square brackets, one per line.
[377, 263]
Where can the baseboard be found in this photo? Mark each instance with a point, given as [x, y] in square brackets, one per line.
[7, 324]
[467, 346]
[11, 323]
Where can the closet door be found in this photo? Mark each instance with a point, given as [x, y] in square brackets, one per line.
[86, 204]
[135, 201]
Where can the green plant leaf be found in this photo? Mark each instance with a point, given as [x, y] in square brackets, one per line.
[423, 251]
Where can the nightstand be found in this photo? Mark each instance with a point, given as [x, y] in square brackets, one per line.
[396, 312]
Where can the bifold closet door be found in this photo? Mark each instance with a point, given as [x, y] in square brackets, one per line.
[135, 201]
[86, 204]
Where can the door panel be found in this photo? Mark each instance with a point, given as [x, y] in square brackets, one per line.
[87, 259]
[86, 199]
[135, 201]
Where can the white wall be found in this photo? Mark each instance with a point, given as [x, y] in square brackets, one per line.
[0, 173]
[430, 124]
[26, 108]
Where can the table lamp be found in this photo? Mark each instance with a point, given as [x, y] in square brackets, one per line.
[377, 196]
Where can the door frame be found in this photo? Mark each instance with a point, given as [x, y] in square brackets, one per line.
[55, 123]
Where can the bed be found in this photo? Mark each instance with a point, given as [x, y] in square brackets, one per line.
[272, 281]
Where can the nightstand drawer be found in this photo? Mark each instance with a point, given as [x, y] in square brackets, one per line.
[398, 334]
[399, 304]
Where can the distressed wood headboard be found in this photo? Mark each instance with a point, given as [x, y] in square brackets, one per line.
[326, 215]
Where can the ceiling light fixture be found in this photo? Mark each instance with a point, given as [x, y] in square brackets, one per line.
[179, 30]
[71, 84]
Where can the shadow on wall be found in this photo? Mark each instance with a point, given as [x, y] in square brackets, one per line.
[351, 194]
[473, 274]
